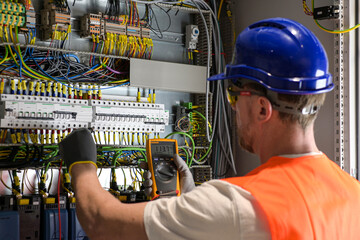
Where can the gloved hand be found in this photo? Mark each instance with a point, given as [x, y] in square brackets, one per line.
[186, 179]
[78, 147]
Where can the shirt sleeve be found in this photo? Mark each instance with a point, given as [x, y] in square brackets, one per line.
[214, 210]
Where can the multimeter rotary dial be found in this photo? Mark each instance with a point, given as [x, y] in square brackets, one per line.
[165, 171]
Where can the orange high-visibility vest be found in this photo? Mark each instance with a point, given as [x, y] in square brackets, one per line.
[308, 197]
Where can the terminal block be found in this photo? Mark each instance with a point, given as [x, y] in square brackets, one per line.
[145, 32]
[115, 28]
[54, 18]
[92, 24]
[12, 14]
[201, 173]
[30, 17]
[52, 21]
[133, 31]
[99, 24]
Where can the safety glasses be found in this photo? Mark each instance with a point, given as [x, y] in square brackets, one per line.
[232, 95]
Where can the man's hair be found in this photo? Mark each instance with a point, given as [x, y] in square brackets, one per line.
[298, 101]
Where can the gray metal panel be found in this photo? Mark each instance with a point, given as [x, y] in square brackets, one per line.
[167, 76]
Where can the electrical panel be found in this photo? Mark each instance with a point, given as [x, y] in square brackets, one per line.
[125, 70]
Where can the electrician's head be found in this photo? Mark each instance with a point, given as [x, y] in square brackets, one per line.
[280, 61]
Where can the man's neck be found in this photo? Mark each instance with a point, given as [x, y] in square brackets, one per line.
[284, 139]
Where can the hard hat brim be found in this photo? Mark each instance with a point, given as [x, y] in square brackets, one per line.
[292, 85]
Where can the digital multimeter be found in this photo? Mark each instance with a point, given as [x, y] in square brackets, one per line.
[164, 173]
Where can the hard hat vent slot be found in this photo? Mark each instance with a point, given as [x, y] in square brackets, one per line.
[267, 24]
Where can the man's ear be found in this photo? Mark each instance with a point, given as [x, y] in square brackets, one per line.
[264, 109]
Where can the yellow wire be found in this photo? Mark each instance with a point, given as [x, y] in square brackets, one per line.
[184, 5]
[22, 60]
[333, 31]
[336, 31]
[221, 3]
[120, 81]
[13, 55]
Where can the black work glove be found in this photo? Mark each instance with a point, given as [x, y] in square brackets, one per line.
[186, 178]
[78, 147]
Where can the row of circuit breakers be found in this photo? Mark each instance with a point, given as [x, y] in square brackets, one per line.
[53, 113]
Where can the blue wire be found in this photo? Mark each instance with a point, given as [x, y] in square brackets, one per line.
[74, 56]
[9, 67]
[51, 58]
[76, 87]
[20, 68]
[59, 79]
[20, 65]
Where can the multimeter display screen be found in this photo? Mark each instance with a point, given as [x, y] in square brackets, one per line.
[162, 150]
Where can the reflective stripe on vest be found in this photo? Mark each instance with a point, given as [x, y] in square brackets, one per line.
[305, 198]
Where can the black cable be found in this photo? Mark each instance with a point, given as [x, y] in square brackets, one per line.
[153, 15]
[11, 178]
[167, 13]
[18, 165]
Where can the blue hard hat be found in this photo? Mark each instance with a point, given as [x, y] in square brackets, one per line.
[283, 56]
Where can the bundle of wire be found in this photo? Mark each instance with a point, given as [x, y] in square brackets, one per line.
[56, 66]
[47, 156]
[27, 156]
[220, 135]
[66, 68]
[132, 18]
[152, 21]
[113, 8]
[113, 157]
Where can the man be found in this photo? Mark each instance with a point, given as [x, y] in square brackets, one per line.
[279, 78]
